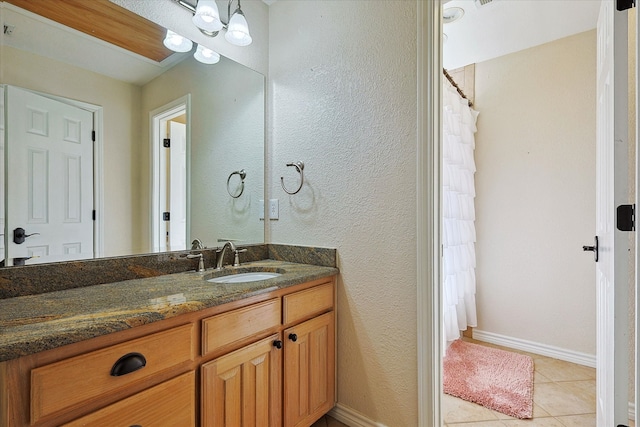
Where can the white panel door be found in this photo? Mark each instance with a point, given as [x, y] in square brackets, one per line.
[50, 169]
[178, 187]
[611, 190]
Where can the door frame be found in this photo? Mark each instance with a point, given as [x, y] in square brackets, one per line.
[428, 229]
[155, 117]
[429, 244]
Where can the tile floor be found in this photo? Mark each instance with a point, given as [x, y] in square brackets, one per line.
[563, 395]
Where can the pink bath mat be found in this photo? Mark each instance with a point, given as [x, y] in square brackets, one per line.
[496, 379]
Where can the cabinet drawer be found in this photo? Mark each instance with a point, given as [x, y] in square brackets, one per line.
[304, 304]
[171, 403]
[237, 325]
[72, 381]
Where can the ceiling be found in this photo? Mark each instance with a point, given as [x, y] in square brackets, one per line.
[506, 26]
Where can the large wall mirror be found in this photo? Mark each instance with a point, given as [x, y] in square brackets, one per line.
[207, 184]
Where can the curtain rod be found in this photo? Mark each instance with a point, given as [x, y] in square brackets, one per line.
[455, 85]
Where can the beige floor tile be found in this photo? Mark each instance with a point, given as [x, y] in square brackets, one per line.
[563, 398]
[559, 370]
[478, 424]
[539, 378]
[537, 422]
[585, 389]
[538, 412]
[588, 420]
[456, 410]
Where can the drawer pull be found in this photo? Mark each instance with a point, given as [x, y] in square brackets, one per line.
[293, 337]
[277, 344]
[128, 363]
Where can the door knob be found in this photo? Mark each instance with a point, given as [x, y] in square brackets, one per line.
[19, 234]
[593, 248]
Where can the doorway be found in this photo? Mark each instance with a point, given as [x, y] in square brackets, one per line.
[170, 142]
[429, 274]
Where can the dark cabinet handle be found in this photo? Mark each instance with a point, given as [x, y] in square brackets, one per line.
[128, 363]
[277, 344]
[293, 337]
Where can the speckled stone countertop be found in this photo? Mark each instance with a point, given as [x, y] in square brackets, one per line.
[34, 323]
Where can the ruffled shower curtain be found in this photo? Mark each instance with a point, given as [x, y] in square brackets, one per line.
[458, 213]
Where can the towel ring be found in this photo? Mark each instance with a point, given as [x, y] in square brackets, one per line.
[300, 168]
[243, 175]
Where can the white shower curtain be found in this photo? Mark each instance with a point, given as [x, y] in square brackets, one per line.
[458, 213]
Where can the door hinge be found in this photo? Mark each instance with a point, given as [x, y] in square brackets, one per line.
[93, 214]
[166, 143]
[93, 135]
[166, 216]
[626, 217]
[625, 4]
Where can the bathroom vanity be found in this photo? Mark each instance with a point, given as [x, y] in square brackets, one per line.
[173, 350]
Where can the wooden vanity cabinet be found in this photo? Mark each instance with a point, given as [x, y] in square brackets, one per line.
[244, 387]
[309, 373]
[309, 355]
[265, 360]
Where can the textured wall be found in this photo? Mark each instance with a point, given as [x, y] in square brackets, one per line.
[535, 185]
[343, 100]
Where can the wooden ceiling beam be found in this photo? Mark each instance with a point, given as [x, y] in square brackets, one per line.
[106, 21]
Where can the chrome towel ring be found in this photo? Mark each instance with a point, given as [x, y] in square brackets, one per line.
[243, 175]
[300, 168]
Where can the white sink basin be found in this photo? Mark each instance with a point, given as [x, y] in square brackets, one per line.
[244, 277]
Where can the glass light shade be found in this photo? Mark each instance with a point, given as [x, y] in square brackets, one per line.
[238, 30]
[207, 16]
[206, 55]
[177, 43]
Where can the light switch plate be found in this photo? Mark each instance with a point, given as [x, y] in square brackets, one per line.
[274, 209]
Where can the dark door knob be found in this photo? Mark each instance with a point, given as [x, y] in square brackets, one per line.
[19, 234]
[593, 248]
[277, 344]
[293, 337]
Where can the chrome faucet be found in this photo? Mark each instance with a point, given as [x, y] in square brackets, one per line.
[220, 260]
[200, 261]
[196, 245]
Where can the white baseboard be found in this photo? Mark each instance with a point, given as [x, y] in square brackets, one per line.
[536, 348]
[351, 417]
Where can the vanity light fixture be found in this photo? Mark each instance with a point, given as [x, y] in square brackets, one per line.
[176, 42]
[207, 18]
[206, 55]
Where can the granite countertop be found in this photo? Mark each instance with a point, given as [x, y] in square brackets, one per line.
[34, 323]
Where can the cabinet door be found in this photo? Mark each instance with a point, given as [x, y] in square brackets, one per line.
[309, 370]
[243, 388]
